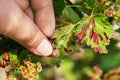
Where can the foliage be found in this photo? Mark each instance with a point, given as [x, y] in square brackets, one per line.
[80, 26]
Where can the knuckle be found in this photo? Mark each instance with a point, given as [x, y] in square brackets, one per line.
[35, 40]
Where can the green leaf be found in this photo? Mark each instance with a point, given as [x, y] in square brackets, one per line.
[63, 35]
[88, 40]
[24, 54]
[90, 4]
[36, 59]
[62, 52]
[103, 26]
[1, 58]
[100, 16]
[118, 30]
[59, 5]
[13, 55]
[81, 23]
[69, 15]
[15, 75]
[118, 3]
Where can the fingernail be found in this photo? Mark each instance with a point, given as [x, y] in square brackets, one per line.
[45, 48]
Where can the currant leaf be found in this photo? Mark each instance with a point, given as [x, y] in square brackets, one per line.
[96, 32]
[63, 35]
[81, 23]
[67, 15]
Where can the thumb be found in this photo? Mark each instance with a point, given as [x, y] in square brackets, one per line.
[25, 32]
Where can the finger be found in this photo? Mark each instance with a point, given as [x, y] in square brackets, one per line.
[25, 7]
[44, 16]
[27, 34]
[23, 4]
[22, 29]
[29, 13]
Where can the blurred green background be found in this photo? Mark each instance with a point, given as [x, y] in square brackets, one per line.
[75, 67]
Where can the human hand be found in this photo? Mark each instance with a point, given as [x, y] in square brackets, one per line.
[28, 22]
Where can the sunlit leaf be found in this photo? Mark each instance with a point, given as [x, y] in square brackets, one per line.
[63, 35]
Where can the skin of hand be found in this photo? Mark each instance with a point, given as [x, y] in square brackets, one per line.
[29, 22]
